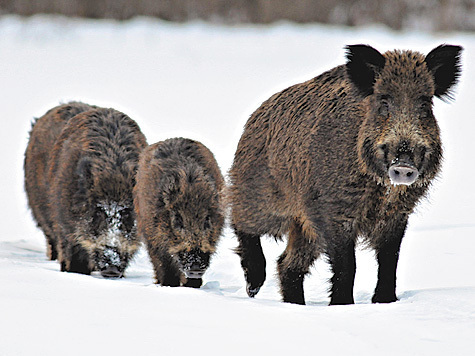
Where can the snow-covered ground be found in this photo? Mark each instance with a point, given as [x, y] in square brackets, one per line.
[203, 81]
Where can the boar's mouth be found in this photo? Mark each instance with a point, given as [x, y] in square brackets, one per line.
[112, 272]
[194, 274]
[402, 173]
[110, 263]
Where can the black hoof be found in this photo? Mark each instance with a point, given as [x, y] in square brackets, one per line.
[255, 280]
[252, 291]
[342, 300]
[384, 299]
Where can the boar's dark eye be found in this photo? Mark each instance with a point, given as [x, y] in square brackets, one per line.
[127, 218]
[178, 222]
[425, 106]
[384, 105]
[207, 223]
[99, 218]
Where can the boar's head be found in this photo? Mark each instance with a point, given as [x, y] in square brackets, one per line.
[195, 219]
[399, 142]
[108, 226]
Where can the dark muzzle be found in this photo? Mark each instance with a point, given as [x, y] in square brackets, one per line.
[194, 272]
[111, 272]
[194, 263]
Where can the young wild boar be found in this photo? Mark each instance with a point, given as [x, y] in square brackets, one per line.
[91, 176]
[347, 154]
[43, 135]
[179, 208]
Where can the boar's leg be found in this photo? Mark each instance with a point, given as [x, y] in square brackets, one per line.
[387, 254]
[74, 258]
[80, 261]
[294, 264]
[166, 271]
[341, 253]
[51, 250]
[253, 261]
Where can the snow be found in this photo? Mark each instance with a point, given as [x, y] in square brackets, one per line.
[114, 220]
[203, 81]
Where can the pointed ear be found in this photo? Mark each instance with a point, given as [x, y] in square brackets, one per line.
[444, 63]
[364, 62]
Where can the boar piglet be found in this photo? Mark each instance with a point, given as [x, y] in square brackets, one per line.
[43, 135]
[179, 205]
[91, 176]
[343, 156]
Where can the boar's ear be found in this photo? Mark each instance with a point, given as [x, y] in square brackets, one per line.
[364, 62]
[444, 63]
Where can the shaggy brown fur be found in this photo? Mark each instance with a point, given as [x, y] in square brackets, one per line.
[44, 133]
[347, 154]
[91, 175]
[178, 200]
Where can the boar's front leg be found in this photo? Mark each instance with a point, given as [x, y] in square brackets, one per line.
[253, 261]
[341, 252]
[74, 258]
[387, 248]
[294, 264]
[166, 270]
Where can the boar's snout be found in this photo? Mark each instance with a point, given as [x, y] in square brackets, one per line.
[111, 272]
[194, 263]
[111, 264]
[402, 161]
[194, 274]
[403, 173]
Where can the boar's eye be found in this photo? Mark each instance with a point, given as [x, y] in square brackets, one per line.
[127, 218]
[425, 105]
[207, 223]
[384, 105]
[99, 218]
[178, 222]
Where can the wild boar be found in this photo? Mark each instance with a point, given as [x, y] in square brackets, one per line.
[44, 133]
[91, 175]
[345, 155]
[179, 205]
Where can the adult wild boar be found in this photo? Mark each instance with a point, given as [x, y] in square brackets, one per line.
[44, 133]
[179, 205]
[91, 175]
[347, 154]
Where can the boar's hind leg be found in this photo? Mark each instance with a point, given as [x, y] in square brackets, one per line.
[341, 253]
[253, 261]
[294, 264]
[387, 254]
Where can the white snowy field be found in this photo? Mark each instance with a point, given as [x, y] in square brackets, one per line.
[203, 81]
